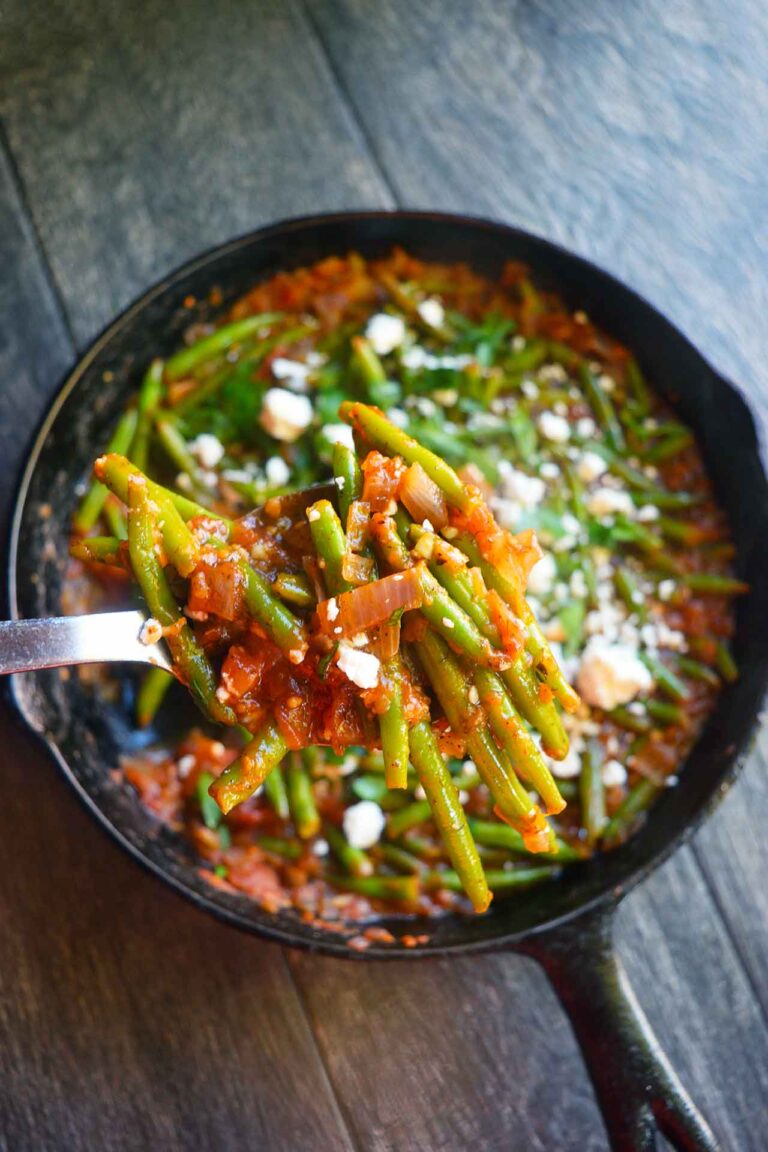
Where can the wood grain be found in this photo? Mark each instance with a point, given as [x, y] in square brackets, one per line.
[142, 135]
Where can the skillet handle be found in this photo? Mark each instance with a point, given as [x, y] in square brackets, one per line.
[637, 1089]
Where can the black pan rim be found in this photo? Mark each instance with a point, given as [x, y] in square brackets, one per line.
[274, 930]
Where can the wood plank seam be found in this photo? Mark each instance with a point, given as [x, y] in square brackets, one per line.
[28, 216]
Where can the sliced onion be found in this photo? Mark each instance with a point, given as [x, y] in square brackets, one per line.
[385, 642]
[373, 603]
[357, 569]
[358, 520]
[423, 498]
[381, 479]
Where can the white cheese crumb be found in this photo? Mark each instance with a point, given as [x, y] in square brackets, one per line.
[362, 668]
[426, 525]
[542, 575]
[473, 694]
[385, 333]
[293, 372]
[339, 434]
[647, 513]
[526, 490]
[432, 312]
[549, 470]
[607, 502]
[590, 467]
[185, 764]
[611, 674]
[570, 767]
[606, 382]
[363, 824]
[332, 608]
[320, 847]
[518, 343]
[666, 589]
[419, 792]
[398, 417]
[284, 415]
[151, 631]
[578, 585]
[445, 397]
[207, 448]
[586, 427]
[554, 428]
[529, 389]
[614, 774]
[277, 471]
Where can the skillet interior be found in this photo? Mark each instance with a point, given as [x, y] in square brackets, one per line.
[87, 736]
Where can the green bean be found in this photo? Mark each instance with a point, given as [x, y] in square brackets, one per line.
[629, 591]
[725, 663]
[498, 835]
[114, 514]
[330, 544]
[455, 625]
[673, 501]
[180, 456]
[631, 720]
[242, 778]
[448, 814]
[209, 809]
[217, 343]
[366, 361]
[93, 502]
[388, 438]
[99, 550]
[669, 447]
[400, 859]
[421, 847]
[638, 387]
[527, 359]
[250, 357]
[296, 588]
[190, 660]
[287, 631]
[154, 686]
[452, 688]
[516, 740]
[710, 583]
[637, 800]
[695, 670]
[665, 713]
[602, 407]
[372, 786]
[501, 880]
[150, 395]
[393, 726]
[346, 469]
[406, 818]
[666, 680]
[180, 544]
[400, 889]
[276, 792]
[592, 792]
[287, 849]
[353, 860]
[301, 801]
[410, 306]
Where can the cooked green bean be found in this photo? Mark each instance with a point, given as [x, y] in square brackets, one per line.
[629, 591]
[217, 343]
[152, 691]
[592, 792]
[295, 588]
[242, 778]
[501, 880]
[301, 800]
[495, 835]
[353, 860]
[399, 889]
[349, 478]
[602, 407]
[406, 818]
[710, 583]
[330, 544]
[287, 631]
[665, 713]
[180, 456]
[93, 502]
[637, 800]
[150, 395]
[276, 792]
[725, 663]
[695, 670]
[666, 680]
[393, 726]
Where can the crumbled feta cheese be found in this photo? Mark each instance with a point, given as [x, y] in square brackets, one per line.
[647, 513]
[570, 767]
[362, 668]
[554, 630]
[530, 389]
[549, 470]
[554, 428]
[611, 674]
[606, 382]
[473, 694]
[570, 524]
[560, 408]
[578, 585]
[445, 397]
[419, 792]
[590, 467]
[608, 502]
[207, 448]
[432, 312]
[293, 372]
[518, 343]
[614, 774]
[542, 575]
[332, 608]
[339, 434]
[320, 847]
[385, 332]
[398, 417]
[666, 589]
[185, 764]
[151, 631]
[507, 512]
[586, 427]
[284, 415]
[364, 823]
[526, 490]
[417, 357]
[277, 471]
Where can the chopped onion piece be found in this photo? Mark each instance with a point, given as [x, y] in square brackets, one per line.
[422, 497]
[373, 604]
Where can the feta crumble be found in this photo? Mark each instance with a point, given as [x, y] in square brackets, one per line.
[362, 668]
[526, 490]
[277, 471]
[614, 774]
[293, 372]
[284, 415]
[609, 502]
[554, 428]
[590, 467]
[364, 823]
[432, 312]
[542, 575]
[385, 333]
[207, 448]
[151, 631]
[339, 434]
[611, 674]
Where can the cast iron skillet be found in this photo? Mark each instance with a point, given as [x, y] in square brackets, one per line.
[566, 926]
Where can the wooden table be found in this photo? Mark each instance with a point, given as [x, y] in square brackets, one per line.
[135, 135]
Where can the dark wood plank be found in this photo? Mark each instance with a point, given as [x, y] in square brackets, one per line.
[127, 1019]
[146, 133]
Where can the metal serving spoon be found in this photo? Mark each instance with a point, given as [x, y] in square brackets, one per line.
[104, 638]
